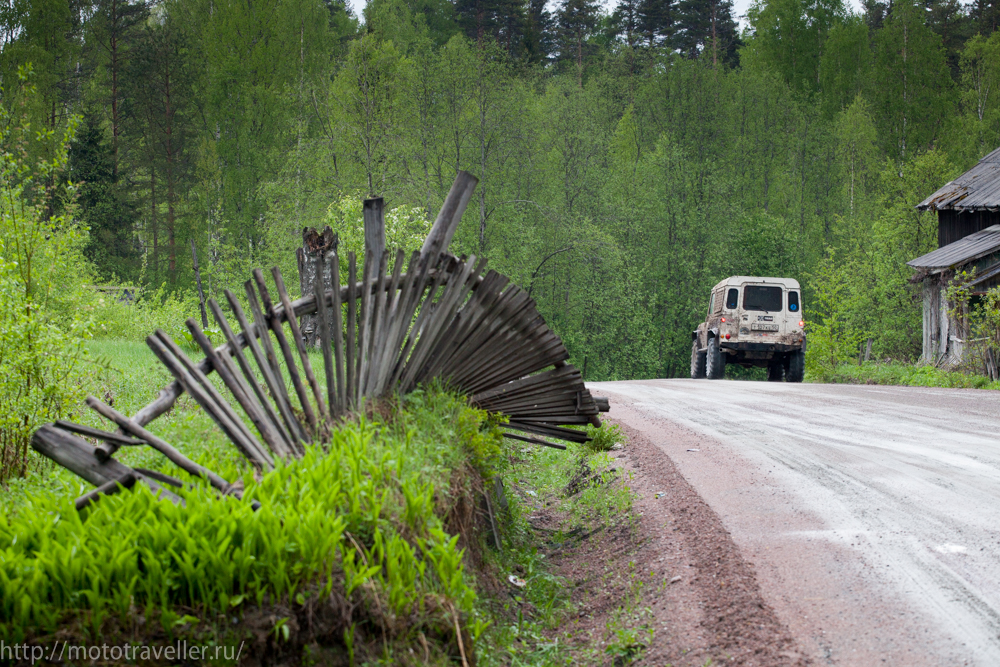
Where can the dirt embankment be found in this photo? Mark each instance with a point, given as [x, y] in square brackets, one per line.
[703, 599]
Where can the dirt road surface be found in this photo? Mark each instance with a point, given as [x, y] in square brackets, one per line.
[871, 514]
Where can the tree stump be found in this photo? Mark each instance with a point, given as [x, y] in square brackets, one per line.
[315, 245]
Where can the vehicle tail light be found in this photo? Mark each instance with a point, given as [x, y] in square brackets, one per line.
[727, 336]
[723, 319]
[802, 323]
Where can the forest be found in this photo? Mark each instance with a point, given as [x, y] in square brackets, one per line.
[628, 159]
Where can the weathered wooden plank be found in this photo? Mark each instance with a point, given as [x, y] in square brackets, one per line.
[279, 391]
[524, 438]
[204, 397]
[400, 323]
[426, 307]
[216, 398]
[471, 313]
[351, 346]
[381, 353]
[326, 347]
[449, 320]
[79, 429]
[443, 316]
[449, 216]
[364, 331]
[549, 431]
[125, 482]
[251, 378]
[162, 446]
[278, 329]
[300, 344]
[240, 392]
[338, 333]
[371, 356]
[287, 418]
[77, 455]
[373, 214]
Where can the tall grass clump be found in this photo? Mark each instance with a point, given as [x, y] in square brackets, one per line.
[351, 547]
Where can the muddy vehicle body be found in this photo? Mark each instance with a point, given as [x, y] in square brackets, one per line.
[752, 321]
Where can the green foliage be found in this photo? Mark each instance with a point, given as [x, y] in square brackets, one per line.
[42, 321]
[831, 338]
[896, 373]
[119, 317]
[363, 518]
[406, 227]
[603, 439]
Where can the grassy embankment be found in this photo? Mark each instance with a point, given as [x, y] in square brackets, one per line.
[370, 551]
[896, 373]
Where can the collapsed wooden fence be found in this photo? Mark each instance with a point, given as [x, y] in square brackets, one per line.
[401, 323]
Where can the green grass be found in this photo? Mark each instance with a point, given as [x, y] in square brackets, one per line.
[366, 530]
[536, 625]
[355, 531]
[895, 373]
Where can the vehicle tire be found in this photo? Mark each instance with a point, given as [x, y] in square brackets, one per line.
[715, 361]
[796, 366]
[697, 362]
[776, 371]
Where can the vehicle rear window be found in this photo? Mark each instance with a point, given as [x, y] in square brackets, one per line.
[762, 297]
[731, 298]
[793, 301]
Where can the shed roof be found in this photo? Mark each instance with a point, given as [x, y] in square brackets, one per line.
[975, 190]
[962, 251]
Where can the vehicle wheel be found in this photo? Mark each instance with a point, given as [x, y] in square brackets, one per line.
[776, 371]
[697, 361]
[796, 366]
[715, 361]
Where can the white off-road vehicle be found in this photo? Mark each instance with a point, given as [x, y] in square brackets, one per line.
[752, 322]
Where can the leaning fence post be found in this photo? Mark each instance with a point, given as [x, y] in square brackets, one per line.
[374, 215]
[201, 294]
[449, 216]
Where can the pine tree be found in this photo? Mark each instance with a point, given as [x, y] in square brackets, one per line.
[113, 30]
[655, 20]
[707, 26]
[577, 19]
[985, 16]
[112, 245]
[538, 38]
[625, 20]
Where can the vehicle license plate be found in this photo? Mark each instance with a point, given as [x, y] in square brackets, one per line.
[755, 326]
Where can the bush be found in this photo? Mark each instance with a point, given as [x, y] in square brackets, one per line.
[41, 371]
[153, 309]
[44, 318]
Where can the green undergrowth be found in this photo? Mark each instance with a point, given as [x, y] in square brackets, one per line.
[895, 373]
[353, 553]
[556, 500]
[372, 551]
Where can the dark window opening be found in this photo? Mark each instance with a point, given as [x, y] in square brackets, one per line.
[760, 297]
[731, 298]
[793, 301]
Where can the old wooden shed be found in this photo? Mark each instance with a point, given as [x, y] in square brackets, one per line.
[968, 212]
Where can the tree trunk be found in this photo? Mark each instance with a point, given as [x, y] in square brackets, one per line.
[314, 246]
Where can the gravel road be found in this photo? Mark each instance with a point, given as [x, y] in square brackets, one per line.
[871, 514]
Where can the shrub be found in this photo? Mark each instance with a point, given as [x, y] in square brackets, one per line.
[605, 437]
[153, 309]
[43, 319]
